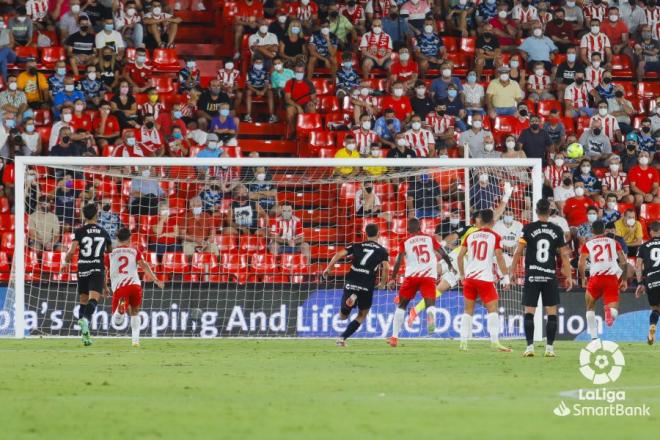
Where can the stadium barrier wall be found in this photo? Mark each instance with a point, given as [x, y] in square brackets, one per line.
[282, 310]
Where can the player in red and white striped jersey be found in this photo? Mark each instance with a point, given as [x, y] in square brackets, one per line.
[421, 253]
[595, 41]
[37, 10]
[125, 282]
[477, 259]
[420, 139]
[607, 264]
[286, 234]
[608, 122]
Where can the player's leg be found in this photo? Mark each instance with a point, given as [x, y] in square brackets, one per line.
[490, 299]
[118, 307]
[530, 300]
[352, 327]
[442, 287]
[406, 294]
[134, 304]
[427, 289]
[590, 305]
[83, 323]
[466, 323]
[611, 301]
[550, 298]
[653, 296]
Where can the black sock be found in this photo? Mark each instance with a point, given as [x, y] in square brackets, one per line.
[81, 311]
[551, 329]
[654, 317]
[89, 310]
[529, 328]
[352, 328]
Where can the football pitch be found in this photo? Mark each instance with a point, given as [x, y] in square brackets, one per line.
[308, 389]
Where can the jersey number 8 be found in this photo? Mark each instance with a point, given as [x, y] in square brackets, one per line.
[543, 251]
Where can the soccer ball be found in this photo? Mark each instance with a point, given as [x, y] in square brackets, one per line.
[574, 151]
[118, 319]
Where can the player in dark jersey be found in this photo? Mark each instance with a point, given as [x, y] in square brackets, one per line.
[366, 258]
[647, 269]
[91, 242]
[541, 242]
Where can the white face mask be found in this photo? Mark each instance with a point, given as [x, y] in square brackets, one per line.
[401, 142]
[537, 32]
[539, 72]
[570, 4]
[585, 170]
[483, 178]
[350, 147]
[282, 19]
[476, 124]
[261, 177]
[156, 11]
[428, 29]
[592, 217]
[595, 30]
[404, 56]
[92, 76]
[279, 67]
[454, 221]
[571, 57]
[286, 215]
[146, 173]
[13, 86]
[69, 87]
[515, 64]
[398, 93]
[614, 18]
[325, 31]
[504, 77]
[630, 221]
[502, 14]
[366, 125]
[416, 125]
[644, 160]
[375, 153]
[579, 191]
[66, 117]
[614, 167]
[376, 30]
[510, 145]
[559, 162]
[446, 72]
[420, 92]
[489, 147]
[508, 219]
[197, 210]
[595, 64]
[229, 66]
[611, 205]
[75, 9]
[165, 212]
[602, 111]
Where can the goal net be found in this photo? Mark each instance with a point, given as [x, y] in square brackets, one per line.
[241, 243]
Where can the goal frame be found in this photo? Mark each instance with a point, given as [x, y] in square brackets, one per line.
[22, 162]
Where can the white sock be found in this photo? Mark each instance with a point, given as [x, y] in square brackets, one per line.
[399, 316]
[116, 318]
[530, 347]
[466, 327]
[493, 324]
[614, 312]
[549, 348]
[591, 324]
[430, 311]
[135, 328]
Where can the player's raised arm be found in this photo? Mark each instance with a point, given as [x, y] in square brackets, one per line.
[499, 255]
[147, 270]
[499, 210]
[338, 256]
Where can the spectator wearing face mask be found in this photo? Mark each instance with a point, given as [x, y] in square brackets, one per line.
[472, 140]
[106, 126]
[13, 100]
[146, 194]
[68, 96]
[539, 84]
[34, 84]
[404, 70]
[585, 174]
[510, 230]
[354, 13]
[262, 190]
[474, 95]
[655, 117]
[584, 232]
[129, 23]
[555, 129]
[65, 145]
[322, 49]
[511, 151]
[616, 182]
[139, 73]
[80, 46]
[420, 139]
[198, 230]
[560, 31]
[189, 75]
[299, 96]
[424, 197]
[66, 117]
[442, 126]
[538, 48]
[130, 147]
[503, 94]
[594, 71]
[263, 44]
[440, 85]
[109, 220]
[80, 120]
[218, 93]
[161, 27]
[110, 37]
[535, 141]
[611, 209]
[644, 181]
[165, 233]
[375, 153]
[364, 135]
[245, 214]
[92, 87]
[596, 144]
[398, 102]
[364, 102]
[555, 171]
[349, 151]
[422, 104]
[31, 138]
[281, 75]
[376, 48]
[401, 149]
[387, 127]
[622, 110]
[44, 230]
[595, 41]
[576, 97]
[429, 50]
[454, 106]
[487, 49]
[177, 145]
[575, 208]
[631, 230]
[367, 202]
[286, 234]
[648, 52]
[564, 74]
[484, 193]
[488, 150]
[347, 78]
[450, 225]
[629, 153]
[561, 222]
[257, 84]
[645, 137]
[65, 202]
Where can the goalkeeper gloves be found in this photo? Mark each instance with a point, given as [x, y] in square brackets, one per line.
[508, 190]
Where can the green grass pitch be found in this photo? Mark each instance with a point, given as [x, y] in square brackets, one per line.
[306, 389]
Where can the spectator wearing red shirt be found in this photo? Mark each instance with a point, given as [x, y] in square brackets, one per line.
[299, 96]
[307, 12]
[245, 21]
[399, 103]
[617, 31]
[504, 28]
[177, 144]
[376, 48]
[356, 14]
[150, 137]
[105, 126]
[575, 208]
[130, 146]
[80, 120]
[644, 181]
[165, 233]
[139, 73]
[404, 70]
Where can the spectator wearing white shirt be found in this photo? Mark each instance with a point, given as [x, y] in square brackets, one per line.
[263, 44]
[474, 95]
[129, 22]
[110, 37]
[510, 230]
[161, 27]
[561, 222]
[564, 191]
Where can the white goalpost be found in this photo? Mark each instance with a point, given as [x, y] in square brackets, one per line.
[248, 262]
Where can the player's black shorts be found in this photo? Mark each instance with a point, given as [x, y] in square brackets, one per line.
[653, 296]
[547, 290]
[93, 282]
[364, 299]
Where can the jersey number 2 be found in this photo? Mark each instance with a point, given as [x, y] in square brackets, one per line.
[123, 263]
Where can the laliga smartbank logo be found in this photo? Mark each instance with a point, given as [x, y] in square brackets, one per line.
[601, 362]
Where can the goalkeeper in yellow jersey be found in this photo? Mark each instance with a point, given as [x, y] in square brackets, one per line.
[453, 241]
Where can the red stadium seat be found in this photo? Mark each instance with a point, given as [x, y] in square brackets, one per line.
[399, 226]
[175, 263]
[204, 263]
[164, 84]
[51, 55]
[307, 122]
[233, 264]
[326, 152]
[294, 263]
[226, 243]
[7, 242]
[249, 244]
[650, 211]
[545, 107]
[451, 43]
[51, 261]
[622, 66]
[6, 222]
[264, 263]
[648, 89]
[328, 104]
[322, 139]
[323, 86]
[468, 45]
[166, 60]
[276, 279]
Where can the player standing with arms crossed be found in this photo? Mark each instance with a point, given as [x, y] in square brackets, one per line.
[367, 257]
[647, 269]
[421, 252]
[92, 242]
[482, 249]
[604, 272]
[541, 241]
[125, 281]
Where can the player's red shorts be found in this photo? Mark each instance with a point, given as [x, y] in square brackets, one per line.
[606, 286]
[412, 285]
[485, 290]
[131, 293]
